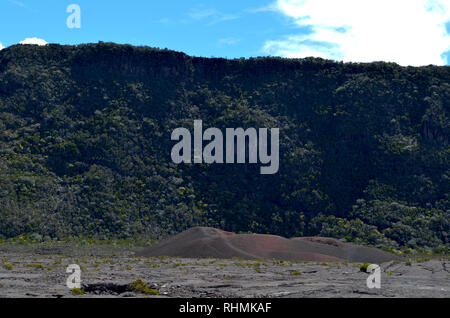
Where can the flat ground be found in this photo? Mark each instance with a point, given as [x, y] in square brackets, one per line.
[40, 271]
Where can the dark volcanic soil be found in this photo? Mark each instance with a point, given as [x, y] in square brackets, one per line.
[40, 271]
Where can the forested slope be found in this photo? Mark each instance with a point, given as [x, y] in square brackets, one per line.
[85, 142]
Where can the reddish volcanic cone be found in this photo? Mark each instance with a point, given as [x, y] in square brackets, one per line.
[209, 242]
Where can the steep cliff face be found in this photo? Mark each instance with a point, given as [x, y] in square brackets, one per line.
[85, 145]
[436, 122]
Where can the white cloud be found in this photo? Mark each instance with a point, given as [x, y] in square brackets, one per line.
[212, 15]
[162, 21]
[408, 32]
[1, 46]
[201, 14]
[17, 3]
[197, 14]
[228, 41]
[267, 8]
[36, 41]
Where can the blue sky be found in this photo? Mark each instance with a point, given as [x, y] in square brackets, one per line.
[409, 32]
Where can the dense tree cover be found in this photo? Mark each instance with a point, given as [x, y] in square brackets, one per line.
[85, 146]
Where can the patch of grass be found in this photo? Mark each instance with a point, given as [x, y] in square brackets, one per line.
[408, 263]
[279, 262]
[138, 286]
[77, 292]
[363, 267]
[389, 273]
[36, 266]
[8, 267]
[295, 273]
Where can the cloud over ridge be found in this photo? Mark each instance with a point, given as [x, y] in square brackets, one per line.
[36, 41]
[408, 32]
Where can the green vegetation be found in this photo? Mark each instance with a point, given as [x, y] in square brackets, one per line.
[36, 266]
[85, 147]
[295, 273]
[77, 292]
[8, 267]
[139, 286]
[422, 259]
[363, 267]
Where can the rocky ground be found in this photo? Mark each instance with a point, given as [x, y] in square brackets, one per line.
[107, 271]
